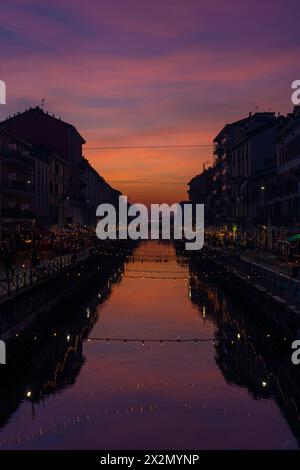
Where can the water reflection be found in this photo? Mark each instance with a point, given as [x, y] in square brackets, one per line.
[55, 354]
[237, 391]
[245, 352]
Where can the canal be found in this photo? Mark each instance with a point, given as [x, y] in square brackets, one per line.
[200, 374]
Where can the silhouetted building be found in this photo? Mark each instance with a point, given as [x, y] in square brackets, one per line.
[240, 187]
[287, 199]
[96, 191]
[200, 192]
[222, 191]
[16, 183]
[59, 137]
[67, 188]
[243, 149]
[252, 152]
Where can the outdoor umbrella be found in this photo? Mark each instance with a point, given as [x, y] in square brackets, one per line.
[293, 238]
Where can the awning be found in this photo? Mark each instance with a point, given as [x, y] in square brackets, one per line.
[293, 238]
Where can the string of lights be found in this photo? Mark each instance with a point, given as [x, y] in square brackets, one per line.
[136, 259]
[174, 278]
[149, 271]
[140, 408]
[152, 340]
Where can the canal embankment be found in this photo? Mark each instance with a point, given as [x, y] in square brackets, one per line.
[274, 296]
[28, 299]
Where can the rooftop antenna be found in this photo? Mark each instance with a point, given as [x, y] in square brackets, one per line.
[43, 103]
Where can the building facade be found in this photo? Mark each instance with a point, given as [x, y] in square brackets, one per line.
[60, 138]
[16, 182]
[287, 196]
[199, 192]
[66, 187]
[244, 176]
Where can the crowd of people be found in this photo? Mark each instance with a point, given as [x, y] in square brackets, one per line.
[26, 248]
[256, 244]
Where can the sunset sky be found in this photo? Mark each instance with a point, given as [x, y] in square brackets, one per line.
[149, 72]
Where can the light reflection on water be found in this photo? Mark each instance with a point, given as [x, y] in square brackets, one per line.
[173, 395]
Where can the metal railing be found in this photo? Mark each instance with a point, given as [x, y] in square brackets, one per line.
[24, 186]
[13, 155]
[21, 280]
[275, 282]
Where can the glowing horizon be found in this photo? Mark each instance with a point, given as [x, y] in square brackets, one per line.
[127, 73]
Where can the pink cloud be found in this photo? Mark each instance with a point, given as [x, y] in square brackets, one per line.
[178, 95]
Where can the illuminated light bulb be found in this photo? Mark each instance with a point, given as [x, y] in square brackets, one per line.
[28, 394]
[68, 338]
[238, 336]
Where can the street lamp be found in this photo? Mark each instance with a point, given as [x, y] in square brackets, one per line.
[262, 188]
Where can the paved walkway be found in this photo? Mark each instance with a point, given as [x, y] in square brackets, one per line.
[270, 261]
[265, 259]
[264, 272]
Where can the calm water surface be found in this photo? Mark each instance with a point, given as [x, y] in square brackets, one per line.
[94, 394]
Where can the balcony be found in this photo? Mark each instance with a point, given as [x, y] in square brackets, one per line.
[218, 150]
[15, 157]
[217, 176]
[17, 186]
[226, 188]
